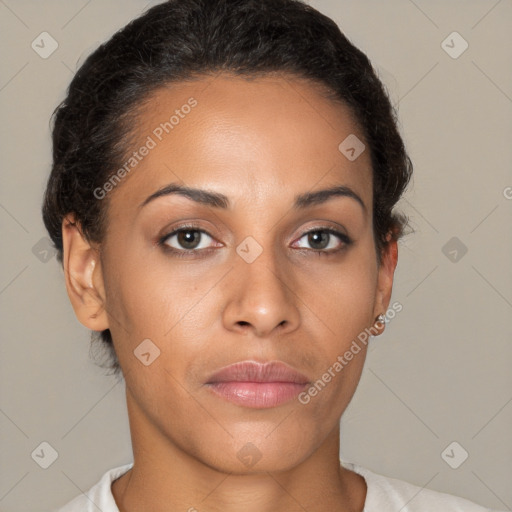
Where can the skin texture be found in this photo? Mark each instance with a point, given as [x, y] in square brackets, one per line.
[260, 142]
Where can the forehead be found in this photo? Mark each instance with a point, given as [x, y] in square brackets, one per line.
[266, 137]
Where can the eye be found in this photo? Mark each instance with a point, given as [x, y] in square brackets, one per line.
[186, 239]
[191, 240]
[326, 240]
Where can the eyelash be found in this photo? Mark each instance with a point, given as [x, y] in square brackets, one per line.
[181, 253]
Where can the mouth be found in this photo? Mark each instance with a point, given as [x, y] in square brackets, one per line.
[257, 385]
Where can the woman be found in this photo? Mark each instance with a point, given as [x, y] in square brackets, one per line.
[222, 202]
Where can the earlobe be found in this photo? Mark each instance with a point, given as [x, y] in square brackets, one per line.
[83, 276]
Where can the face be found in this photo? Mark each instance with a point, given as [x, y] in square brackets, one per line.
[249, 272]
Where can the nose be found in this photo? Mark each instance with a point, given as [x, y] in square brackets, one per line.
[261, 298]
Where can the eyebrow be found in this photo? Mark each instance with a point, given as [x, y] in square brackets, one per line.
[218, 200]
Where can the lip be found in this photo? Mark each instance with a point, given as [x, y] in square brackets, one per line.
[257, 385]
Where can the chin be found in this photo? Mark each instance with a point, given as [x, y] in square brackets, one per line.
[259, 451]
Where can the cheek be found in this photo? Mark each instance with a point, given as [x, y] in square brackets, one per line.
[342, 294]
[343, 302]
[154, 307]
[165, 305]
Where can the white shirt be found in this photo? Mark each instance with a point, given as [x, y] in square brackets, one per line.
[383, 495]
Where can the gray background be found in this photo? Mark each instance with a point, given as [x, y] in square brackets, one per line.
[441, 371]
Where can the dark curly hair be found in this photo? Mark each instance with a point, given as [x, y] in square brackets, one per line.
[183, 40]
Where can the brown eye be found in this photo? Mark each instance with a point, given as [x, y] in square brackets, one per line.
[186, 239]
[325, 240]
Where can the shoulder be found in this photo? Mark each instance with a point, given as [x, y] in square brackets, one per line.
[386, 494]
[99, 496]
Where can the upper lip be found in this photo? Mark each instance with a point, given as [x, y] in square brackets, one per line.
[251, 371]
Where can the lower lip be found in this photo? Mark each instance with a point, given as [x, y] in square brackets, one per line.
[257, 394]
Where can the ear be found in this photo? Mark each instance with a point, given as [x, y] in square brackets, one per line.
[386, 272]
[84, 277]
